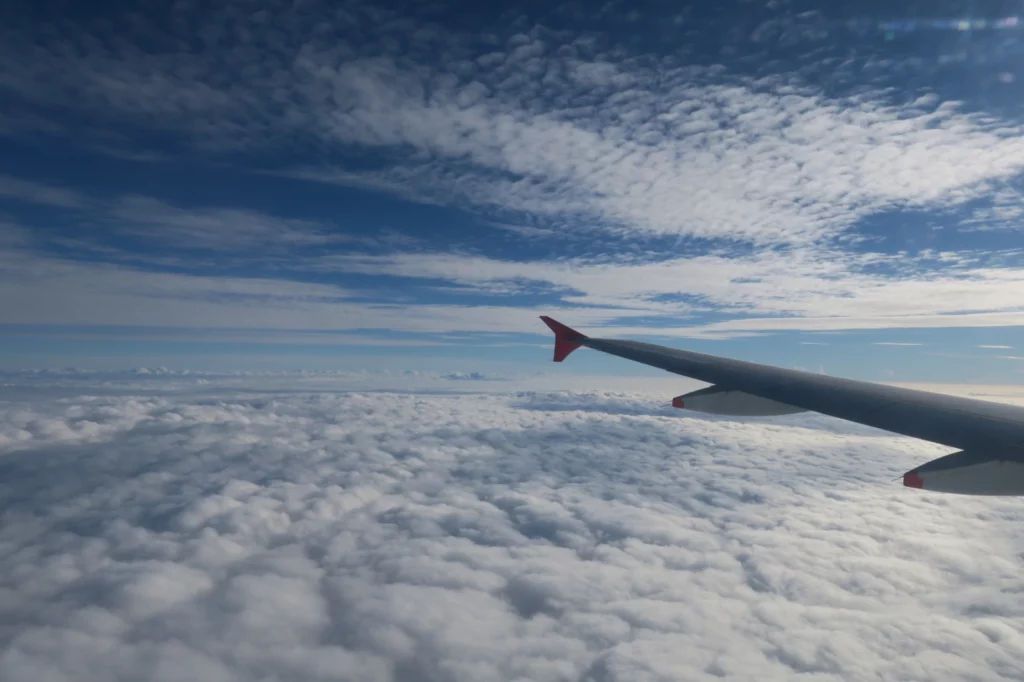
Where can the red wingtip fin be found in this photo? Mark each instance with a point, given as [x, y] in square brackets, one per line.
[566, 338]
[677, 402]
[912, 479]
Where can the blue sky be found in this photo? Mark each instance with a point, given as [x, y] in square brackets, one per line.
[408, 186]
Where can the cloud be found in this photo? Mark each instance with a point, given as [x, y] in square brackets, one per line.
[793, 289]
[760, 168]
[465, 376]
[215, 335]
[553, 129]
[27, 191]
[215, 229]
[77, 293]
[40, 289]
[998, 347]
[545, 123]
[229, 535]
[1004, 212]
[895, 343]
[50, 291]
[909, 321]
[771, 290]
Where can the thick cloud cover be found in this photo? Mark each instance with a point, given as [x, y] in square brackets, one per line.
[216, 533]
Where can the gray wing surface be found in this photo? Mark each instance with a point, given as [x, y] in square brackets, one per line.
[990, 434]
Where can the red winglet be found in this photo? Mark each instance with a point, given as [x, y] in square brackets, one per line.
[677, 402]
[566, 339]
[912, 479]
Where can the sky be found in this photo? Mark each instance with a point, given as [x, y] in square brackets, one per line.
[407, 186]
[276, 527]
[276, 404]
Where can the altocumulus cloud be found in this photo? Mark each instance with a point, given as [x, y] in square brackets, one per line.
[207, 532]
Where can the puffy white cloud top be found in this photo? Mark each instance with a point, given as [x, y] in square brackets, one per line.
[252, 534]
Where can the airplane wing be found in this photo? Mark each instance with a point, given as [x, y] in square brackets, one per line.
[990, 435]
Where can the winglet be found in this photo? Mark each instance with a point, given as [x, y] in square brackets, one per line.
[566, 339]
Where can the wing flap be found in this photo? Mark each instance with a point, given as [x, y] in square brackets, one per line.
[969, 473]
[725, 401]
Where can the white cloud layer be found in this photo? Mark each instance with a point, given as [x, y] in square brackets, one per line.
[799, 289]
[772, 290]
[230, 535]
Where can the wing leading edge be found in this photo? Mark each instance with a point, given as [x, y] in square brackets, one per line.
[990, 435]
